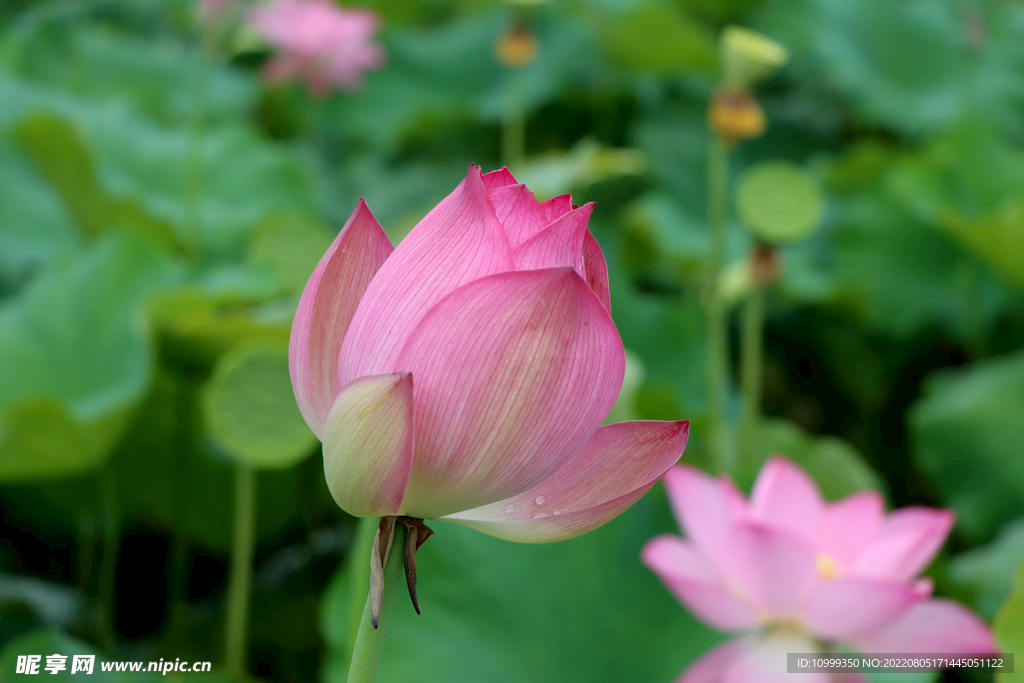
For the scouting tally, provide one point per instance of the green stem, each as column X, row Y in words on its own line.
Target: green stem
column 717, row 319
column 360, row 571
column 751, row 369
column 240, row 581
column 513, row 138
column 370, row 641
column 195, row 172
column 111, row 544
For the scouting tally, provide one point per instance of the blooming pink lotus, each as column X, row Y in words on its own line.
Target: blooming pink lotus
column 796, row 573
column 319, row 42
column 465, row 374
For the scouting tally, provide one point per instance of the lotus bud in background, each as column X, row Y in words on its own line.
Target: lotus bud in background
column 749, row 57
column 517, row 47
column 787, row 571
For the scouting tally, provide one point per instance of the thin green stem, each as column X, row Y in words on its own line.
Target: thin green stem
column 717, row 318
column 240, row 581
column 751, row 370
column 370, row 641
column 360, row 571
column 107, row 484
column 513, row 138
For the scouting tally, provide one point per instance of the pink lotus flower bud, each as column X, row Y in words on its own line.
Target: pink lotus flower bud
column 791, row 571
column 465, row 374
column 319, row 42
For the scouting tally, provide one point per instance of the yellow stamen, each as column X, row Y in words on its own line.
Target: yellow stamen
column 827, row 567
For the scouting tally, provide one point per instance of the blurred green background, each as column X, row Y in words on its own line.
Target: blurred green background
column 161, row 209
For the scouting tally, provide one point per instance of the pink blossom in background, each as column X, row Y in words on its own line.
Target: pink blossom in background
column 465, row 374
column 789, row 572
column 318, row 42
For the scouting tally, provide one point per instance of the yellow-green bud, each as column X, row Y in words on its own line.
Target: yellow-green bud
column 748, row 57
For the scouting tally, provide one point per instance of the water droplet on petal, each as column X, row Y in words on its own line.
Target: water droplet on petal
column 509, row 509
column 540, row 500
column 540, row 515
column 556, row 511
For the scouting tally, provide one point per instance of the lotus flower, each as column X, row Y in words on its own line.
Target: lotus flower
column 465, row 374
column 319, row 42
column 792, row 572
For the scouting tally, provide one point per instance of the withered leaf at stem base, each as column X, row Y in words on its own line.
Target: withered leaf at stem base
column 417, row 533
column 379, row 560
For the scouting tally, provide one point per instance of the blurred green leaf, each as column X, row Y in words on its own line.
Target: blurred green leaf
column 249, row 408
column 659, row 37
column 987, row 572
column 835, row 465
column 779, row 201
column 502, row 612
column 588, row 162
column 76, row 359
column 60, row 153
column 1009, row 626
column 970, row 441
column 289, row 247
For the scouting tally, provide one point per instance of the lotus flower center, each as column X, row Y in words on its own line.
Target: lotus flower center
column 827, row 567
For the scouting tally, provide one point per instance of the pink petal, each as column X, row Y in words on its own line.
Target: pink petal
column 932, row 626
column 712, row 666
column 519, row 212
column 459, row 241
column 559, row 244
column 775, row 568
column 326, row 308
column 702, row 507
column 849, row 607
column 596, row 270
column 906, row 543
column 614, row 468
column 785, row 497
column 556, row 207
column 499, row 178
column 514, row 373
column 368, row 442
column 850, row 525
column 692, row 579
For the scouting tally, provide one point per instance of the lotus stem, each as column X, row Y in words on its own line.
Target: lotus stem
column 111, row 544
column 513, row 138
column 240, row 580
column 751, row 369
column 370, row 640
column 717, row 317
column 362, row 546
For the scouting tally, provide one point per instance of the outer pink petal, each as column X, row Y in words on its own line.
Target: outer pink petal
column 692, row 579
column 459, row 241
column 559, row 244
column 614, row 468
column 514, row 373
column 849, row 607
column 702, row 507
column 499, row 178
column 785, row 497
column 368, row 441
column 907, row 542
column 775, row 568
column 325, row 311
column 556, row 207
column 850, row 525
column 596, row 270
column 519, row 212
column 712, row 666
column 932, row 626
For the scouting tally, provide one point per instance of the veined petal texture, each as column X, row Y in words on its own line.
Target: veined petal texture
column 614, row 468
column 514, row 373
column 326, row 309
column 368, row 441
column 458, row 242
